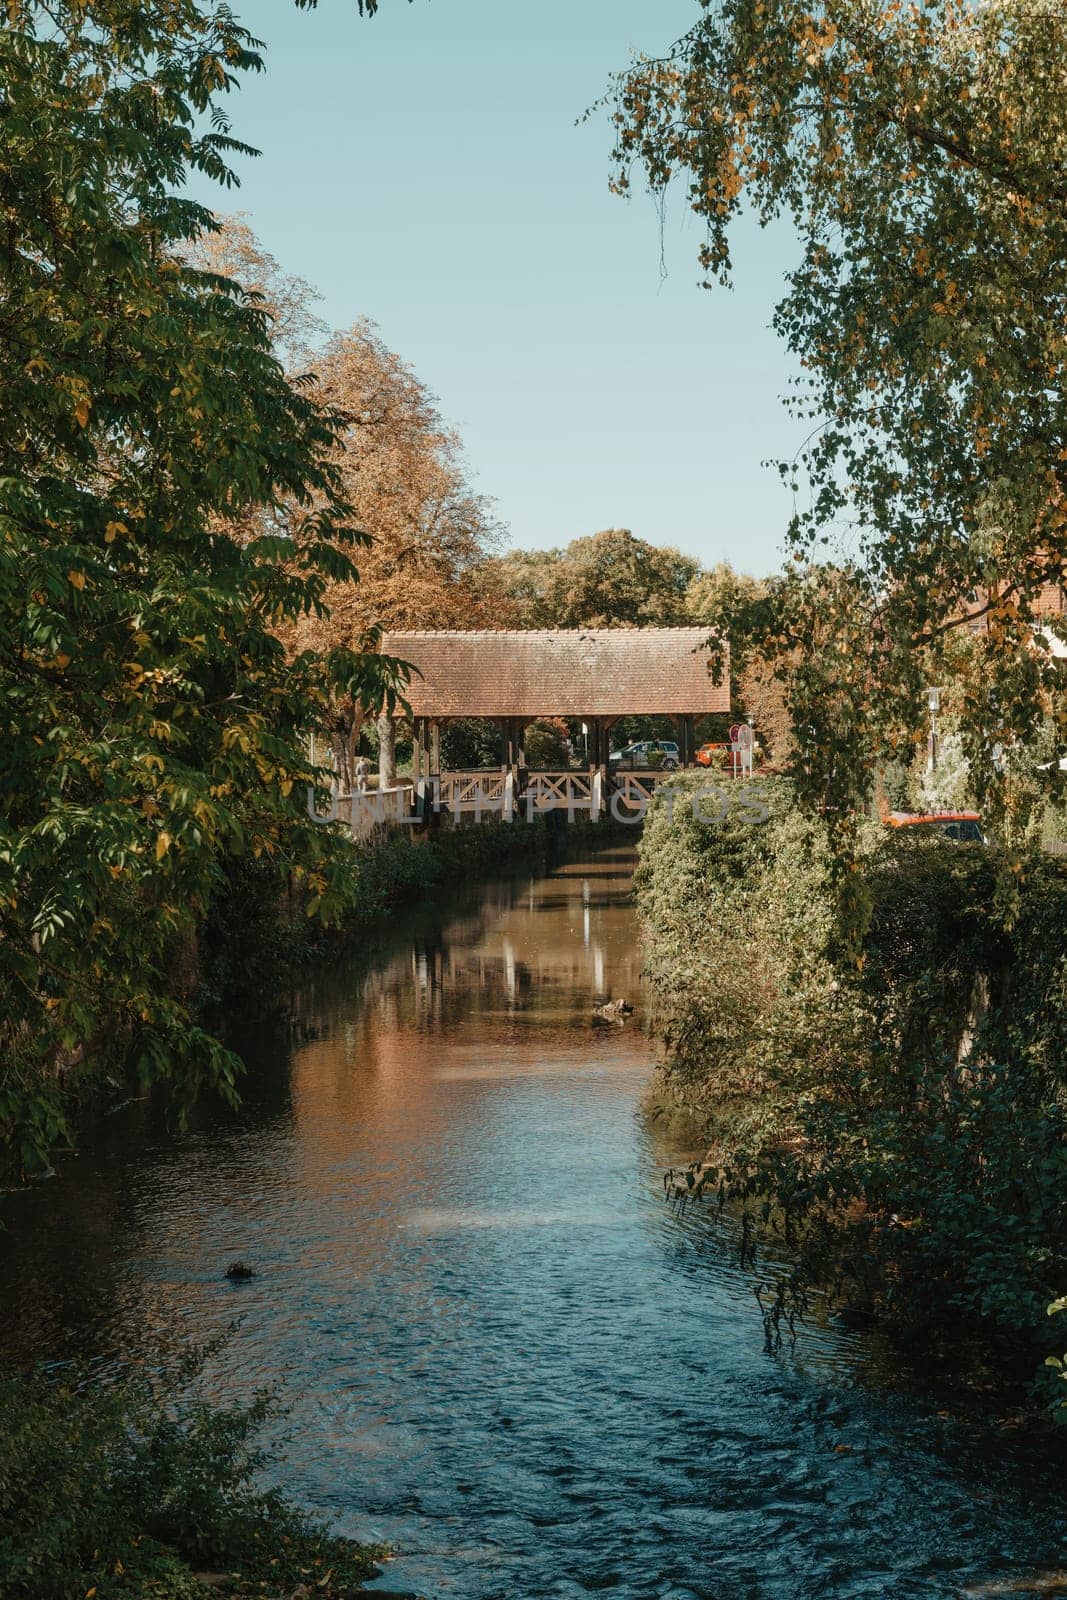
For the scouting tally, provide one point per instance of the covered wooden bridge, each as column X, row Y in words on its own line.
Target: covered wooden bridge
column 512, row 678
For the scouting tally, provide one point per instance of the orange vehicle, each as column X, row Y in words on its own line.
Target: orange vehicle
column 713, row 755
column 963, row 827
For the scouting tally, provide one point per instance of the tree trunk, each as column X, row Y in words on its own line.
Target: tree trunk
column 353, row 729
column 386, row 752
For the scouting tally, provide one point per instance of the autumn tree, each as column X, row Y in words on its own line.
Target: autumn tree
column 719, row 591
column 429, row 533
column 231, row 251
column 919, row 151
column 728, row 602
column 611, row 579
column 154, row 726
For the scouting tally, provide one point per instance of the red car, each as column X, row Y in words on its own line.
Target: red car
column 963, row 827
column 713, row 755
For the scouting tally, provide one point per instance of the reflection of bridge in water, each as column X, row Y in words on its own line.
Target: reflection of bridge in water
column 511, row 678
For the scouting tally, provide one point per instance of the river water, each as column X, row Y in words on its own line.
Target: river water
column 504, row 1351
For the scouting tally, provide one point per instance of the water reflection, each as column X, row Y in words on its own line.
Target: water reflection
column 504, row 1351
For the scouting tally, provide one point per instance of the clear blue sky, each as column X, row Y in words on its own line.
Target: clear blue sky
column 424, row 169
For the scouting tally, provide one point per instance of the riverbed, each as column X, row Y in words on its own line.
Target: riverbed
column 504, row 1351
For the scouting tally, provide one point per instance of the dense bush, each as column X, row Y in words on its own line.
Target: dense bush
column 123, row 1492
column 901, row 1122
column 399, row 864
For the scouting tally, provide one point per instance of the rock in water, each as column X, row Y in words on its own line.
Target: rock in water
column 612, row 1011
column 239, row 1270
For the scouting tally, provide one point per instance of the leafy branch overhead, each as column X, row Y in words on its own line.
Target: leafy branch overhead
column 919, row 152
column 156, row 725
column 366, row 8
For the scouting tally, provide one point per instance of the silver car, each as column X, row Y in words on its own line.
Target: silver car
column 662, row 754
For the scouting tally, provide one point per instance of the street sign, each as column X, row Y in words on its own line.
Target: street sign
column 741, row 746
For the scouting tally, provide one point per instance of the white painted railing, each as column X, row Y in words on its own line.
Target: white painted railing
column 493, row 793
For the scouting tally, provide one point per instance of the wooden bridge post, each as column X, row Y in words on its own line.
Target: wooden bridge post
column 435, row 770
column 596, row 759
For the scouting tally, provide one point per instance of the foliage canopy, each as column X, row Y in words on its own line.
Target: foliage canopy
column 919, row 150
column 153, row 724
column 609, row 579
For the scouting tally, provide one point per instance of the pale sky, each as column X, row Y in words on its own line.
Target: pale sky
column 424, row 169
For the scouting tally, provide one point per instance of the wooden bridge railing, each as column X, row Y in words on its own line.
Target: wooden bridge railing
column 472, row 791
column 559, row 791
column 494, row 793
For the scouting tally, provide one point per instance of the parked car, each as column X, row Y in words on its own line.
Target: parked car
column 713, row 755
column 646, row 755
column 962, row 827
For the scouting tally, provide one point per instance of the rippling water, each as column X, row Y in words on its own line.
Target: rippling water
column 504, row 1351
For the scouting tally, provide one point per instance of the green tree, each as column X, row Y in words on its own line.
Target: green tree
column 719, row 592
column 152, row 724
column 608, row 580
column 919, row 152
column 728, row 601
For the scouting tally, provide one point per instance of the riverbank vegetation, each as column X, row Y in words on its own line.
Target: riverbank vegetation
column 917, row 153
column 896, row 1123
column 145, row 1488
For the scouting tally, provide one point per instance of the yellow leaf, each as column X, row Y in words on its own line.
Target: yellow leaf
column 162, row 846
column 81, row 413
column 62, row 662
column 77, row 579
column 112, row 529
column 90, row 1592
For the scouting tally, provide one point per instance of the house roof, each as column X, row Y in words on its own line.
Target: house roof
column 569, row 672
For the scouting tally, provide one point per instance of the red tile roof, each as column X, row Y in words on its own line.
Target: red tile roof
column 572, row 672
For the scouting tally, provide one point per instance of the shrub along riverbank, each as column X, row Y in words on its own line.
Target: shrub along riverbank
column 146, row 1489
column 899, row 1124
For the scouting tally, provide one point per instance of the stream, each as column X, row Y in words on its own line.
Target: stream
column 504, row 1351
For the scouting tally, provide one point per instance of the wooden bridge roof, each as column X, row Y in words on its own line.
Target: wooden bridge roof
column 568, row 672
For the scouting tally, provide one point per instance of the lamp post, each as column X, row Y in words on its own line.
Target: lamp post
column 933, row 703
